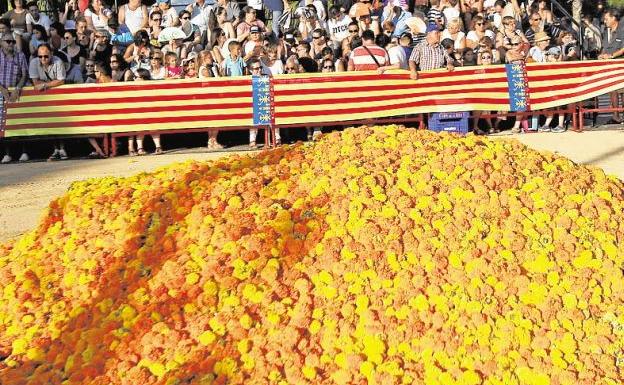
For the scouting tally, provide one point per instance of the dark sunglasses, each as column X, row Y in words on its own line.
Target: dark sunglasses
column 9, row 41
column 156, row 57
column 256, row 68
column 354, row 31
column 316, row 37
column 478, row 23
column 185, row 18
column 328, row 67
column 537, row 19
column 157, row 19
column 43, row 56
column 514, row 44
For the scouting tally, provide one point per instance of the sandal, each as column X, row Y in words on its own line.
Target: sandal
column 141, row 151
column 132, row 153
column 95, row 155
column 253, row 145
column 158, row 151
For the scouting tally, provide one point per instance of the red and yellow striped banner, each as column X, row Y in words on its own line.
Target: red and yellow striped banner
column 298, row 99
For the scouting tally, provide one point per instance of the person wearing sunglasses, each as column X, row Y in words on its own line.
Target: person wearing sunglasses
column 479, row 30
column 536, row 25
column 76, row 53
column 48, row 71
column 13, row 73
column 507, row 33
column 354, row 33
column 338, row 25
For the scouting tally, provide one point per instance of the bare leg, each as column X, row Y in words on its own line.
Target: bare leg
column 96, row 147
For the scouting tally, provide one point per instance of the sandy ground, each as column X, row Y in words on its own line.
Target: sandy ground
column 26, row 189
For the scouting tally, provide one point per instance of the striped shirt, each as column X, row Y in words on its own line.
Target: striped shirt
column 12, row 69
column 434, row 14
column 362, row 60
column 429, row 57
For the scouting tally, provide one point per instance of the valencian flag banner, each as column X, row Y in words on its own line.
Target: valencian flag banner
column 304, row 99
column 518, row 87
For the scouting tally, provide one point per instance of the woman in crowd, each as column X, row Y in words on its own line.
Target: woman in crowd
column 17, row 17
column 155, row 27
column 223, row 24
column 57, row 33
column 509, row 32
column 39, row 36
column 97, row 15
column 484, row 58
column 134, row 16
column 193, row 39
column 75, row 53
column 453, row 31
column 157, row 68
column 207, row 67
column 119, row 69
column 137, row 54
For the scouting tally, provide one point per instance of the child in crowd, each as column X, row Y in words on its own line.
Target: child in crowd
column 207, row 66
column 189, row 66
column 173, row 67
column 234, row 65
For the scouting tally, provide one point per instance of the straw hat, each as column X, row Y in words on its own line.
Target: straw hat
column 541, row 36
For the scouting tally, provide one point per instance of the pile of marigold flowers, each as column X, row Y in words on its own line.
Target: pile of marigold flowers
column 378, row 255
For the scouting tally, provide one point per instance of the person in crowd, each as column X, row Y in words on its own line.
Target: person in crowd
column 310, row 22
column 76, row 53
column 169, row 14
column 538, row 52
column 13, row 73
column 369, row 56
column 101, row 49
column 157, row 69
column 354, row 32
column 207, row 66
column 172, row 66
column 254, row 42
column 487, row 44
column 233, row 64
column 119, row 68
column 35, row 17
column 484, row 58
column 194, row 36
column 98, row 15
column 505, row 36
column 478, row 31
column 232, row 11
column 88, row 74
column 273, row 65
column 134, row 15
column 303, row 54
column 224, row 24
column 203, row 16
column 47, row 71
column 56, row 38
column 453, row 31
column 137, row 54
column 73, row 72
column 319, row 42
column 189, row 66
column 17, row 18
column 568, row 45
column 429, row 54
column 177, row 47
column 517, row 54
column 244, row 27
column 155, row 27
column 536, row 25
column 613, row 48
column 38, row 37
column 71, row 11
column 398, row 16
column 338, row 25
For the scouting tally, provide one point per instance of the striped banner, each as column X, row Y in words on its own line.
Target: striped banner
column 300, row 99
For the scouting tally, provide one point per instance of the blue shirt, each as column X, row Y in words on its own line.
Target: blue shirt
column 234, row 67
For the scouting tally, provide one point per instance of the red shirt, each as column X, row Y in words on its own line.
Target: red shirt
column 362, row 59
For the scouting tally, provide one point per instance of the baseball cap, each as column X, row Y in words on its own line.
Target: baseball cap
column 554, row 51
column 254, row 29
column 432, row 28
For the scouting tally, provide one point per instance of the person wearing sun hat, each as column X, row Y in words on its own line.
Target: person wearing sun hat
column 429, row 54
column 537, row 53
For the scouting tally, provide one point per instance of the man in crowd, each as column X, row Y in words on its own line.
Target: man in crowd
column 368, row 56
column 429, row 54
column 36, row 17
column 13, row 73
column 613, row 48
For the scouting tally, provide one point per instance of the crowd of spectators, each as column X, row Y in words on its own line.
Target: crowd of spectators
column 93, row 42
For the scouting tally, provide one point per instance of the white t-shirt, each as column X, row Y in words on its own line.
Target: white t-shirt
column 169, row 17
column 98, row 22
column 450, row 13
column 339, row 30
column 447, row 35
column 255, row 4
column 276, row 69
column 397, row 55
column 472, row 35
column 44, row 21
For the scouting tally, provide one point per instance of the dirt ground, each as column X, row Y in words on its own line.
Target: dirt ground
column 26, row 189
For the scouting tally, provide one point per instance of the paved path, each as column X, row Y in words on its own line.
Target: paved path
column 26, row 189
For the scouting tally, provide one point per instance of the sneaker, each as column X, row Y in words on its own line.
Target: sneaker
column 317, row 134
column 6, row 159
column 544, row 128
column 559, row 129
column 24, row 157
column 63, row 154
